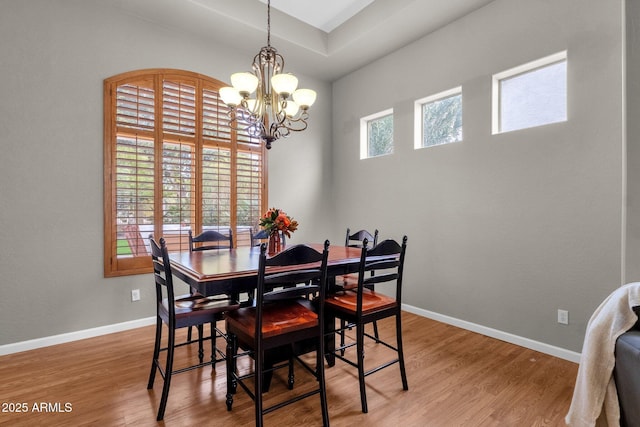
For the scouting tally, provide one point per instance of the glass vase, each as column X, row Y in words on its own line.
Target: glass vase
column 275, row 244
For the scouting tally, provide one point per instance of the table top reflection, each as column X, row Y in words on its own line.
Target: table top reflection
column 224, row 271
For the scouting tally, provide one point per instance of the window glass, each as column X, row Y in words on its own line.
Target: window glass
column 439, row 119
column 376, row 134
column 533, row 95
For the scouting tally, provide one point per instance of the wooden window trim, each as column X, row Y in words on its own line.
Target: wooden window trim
column 119, row 266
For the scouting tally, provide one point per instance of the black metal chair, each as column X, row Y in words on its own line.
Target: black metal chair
column 360, row 306
column 281, row 318
column 180, row 312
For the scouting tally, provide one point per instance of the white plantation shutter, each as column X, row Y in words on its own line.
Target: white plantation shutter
column 249, row 191
column 216, row 188
column 173, row 164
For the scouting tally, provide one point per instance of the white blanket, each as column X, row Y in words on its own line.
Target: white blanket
column 595, row 388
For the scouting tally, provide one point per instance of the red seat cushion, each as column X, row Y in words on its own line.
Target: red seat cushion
column 371, row 301
column 278, row 318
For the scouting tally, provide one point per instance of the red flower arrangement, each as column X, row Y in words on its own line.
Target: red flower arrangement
column 277, row 220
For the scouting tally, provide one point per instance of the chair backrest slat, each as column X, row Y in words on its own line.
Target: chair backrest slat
column 162, row 272
column 386, row 259
column 380, row 278
column 355, row 240
column 262, row 236
column 218, row 240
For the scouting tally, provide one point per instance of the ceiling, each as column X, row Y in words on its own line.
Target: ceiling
column 325, row 15
column 325, row 39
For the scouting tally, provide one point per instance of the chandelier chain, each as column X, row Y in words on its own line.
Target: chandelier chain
column 269, row 23
column 278, row 107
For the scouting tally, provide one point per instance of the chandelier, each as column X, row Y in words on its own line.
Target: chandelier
column 278, row 107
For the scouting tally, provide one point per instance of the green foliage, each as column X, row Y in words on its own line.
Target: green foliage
column 442, row 121
column 380, row 133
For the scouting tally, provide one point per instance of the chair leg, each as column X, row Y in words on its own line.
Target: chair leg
column 291, row 378
column 403, row 372
column 167, row 374
column 343, row 325
column 156, row 354
column 375, row 331
column 231, row 369
column 214, row 347
column 321, row 381
column 193, row 292
column 360, row 358
column 259, row 365
column 200, row 345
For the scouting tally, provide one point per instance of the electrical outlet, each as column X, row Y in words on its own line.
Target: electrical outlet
column 563, row 317
column 135, row 295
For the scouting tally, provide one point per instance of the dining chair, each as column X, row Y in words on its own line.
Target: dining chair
column 179, row 312
column 355, row 240
column 209, row 239
column 263, row 236
column 350, row 281
column 359, row 306
column 281, row 318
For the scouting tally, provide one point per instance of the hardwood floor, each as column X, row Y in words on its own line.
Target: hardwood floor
column 456, row 378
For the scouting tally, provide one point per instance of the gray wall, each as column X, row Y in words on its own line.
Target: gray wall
column 633, row 139
column 503, row 229
column 54, row 58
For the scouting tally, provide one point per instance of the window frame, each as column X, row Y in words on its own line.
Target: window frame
column 364, row 133
column 418, row 106
column 496, row 104
column 238, row 145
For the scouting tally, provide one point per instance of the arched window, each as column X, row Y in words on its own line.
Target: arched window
column 172, row 164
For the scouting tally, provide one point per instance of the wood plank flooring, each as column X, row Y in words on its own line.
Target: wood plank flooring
column 456, row 378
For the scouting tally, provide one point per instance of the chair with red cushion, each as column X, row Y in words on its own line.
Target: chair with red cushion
column 281, row 318
column 350, row 281
column 180, row 312
column 210, row 240
column 359, row 306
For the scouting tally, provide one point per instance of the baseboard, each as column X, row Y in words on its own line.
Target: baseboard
column 74, row 336
column 490, row 332
column 561, row 353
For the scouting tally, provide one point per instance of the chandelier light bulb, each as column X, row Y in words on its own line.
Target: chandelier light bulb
column 304, row 98
column 230, row 96
column 245, row 83
column 284, row 84
column 291, row 109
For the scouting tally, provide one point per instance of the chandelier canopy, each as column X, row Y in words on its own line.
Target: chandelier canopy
column 278, row 107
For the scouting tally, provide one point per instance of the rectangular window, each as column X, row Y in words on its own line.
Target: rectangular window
column 438, row 119
column 376, row 134
column 533, row 94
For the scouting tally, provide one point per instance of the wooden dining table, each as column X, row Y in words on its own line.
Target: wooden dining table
column 234, row 271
